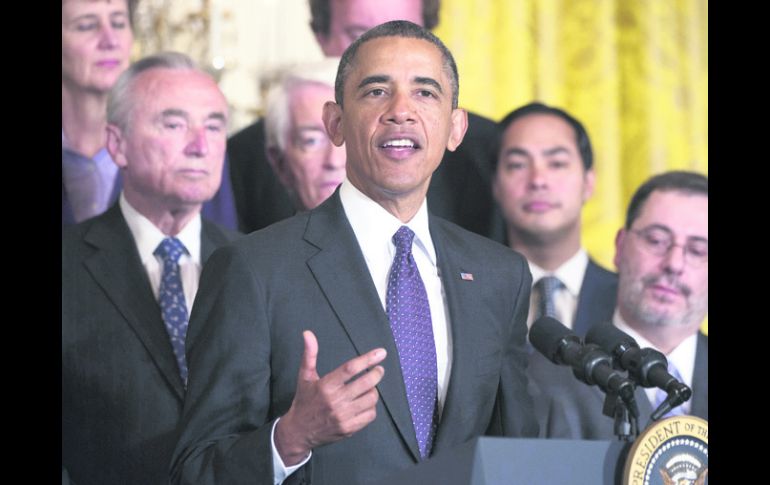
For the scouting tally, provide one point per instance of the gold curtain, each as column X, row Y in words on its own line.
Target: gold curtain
column 635, row 72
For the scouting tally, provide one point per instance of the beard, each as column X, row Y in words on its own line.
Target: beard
column 649, row 313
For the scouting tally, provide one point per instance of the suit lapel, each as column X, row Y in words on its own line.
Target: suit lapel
column 67, row 215
column 117, row 269
column 582, row 313
column 700, row 379
column 341, row 272
column 596, row 300
column 461, row 299
column 645, row 407
column 211, row 238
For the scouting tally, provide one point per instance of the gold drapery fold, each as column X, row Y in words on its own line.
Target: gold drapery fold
column 635, row 72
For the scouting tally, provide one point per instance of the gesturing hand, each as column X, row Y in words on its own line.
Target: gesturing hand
column 329, row 408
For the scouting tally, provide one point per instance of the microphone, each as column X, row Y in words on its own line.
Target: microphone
column 647, row 367
column 589, row 363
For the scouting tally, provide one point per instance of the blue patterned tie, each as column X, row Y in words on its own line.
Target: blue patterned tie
column 547, row 286
column 172, row 303
column 661, row 395
column 409, row 314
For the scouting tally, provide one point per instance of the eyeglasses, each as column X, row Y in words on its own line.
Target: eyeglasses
column 659, row 242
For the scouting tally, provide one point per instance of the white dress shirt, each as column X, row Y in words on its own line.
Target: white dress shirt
column 683, row 357
column 147, row 238
column 374, row 228
column 571, row 273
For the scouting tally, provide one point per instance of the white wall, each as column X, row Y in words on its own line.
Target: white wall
column 242, row 42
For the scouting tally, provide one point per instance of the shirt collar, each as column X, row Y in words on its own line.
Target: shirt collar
column 374, row 226
column 147, row 236
column 571, row 273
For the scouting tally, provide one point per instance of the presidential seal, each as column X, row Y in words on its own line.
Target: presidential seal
column 673, row 451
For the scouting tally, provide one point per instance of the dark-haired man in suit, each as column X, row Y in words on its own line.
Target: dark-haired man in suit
column 366, row 335
column 662, row 259
column 544, row 176
column 129, row 276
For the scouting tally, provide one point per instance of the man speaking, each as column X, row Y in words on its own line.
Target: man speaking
column 362, row 337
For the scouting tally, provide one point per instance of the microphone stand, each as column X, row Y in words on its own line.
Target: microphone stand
column 626, row 426
column 619, row 402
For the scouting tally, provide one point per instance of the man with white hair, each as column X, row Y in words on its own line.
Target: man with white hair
column 300, row 152
column 130, row 275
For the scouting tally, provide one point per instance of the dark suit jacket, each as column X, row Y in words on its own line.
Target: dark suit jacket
column 260, row 199
column 459, row 191
column 568, row 408
column 596, row 302
column 121, row 390
column 244, row 347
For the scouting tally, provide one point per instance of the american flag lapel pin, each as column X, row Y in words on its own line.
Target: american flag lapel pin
column 466, row 276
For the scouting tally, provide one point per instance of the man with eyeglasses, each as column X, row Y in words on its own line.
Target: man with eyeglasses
column 300, row 152
column 662, row 260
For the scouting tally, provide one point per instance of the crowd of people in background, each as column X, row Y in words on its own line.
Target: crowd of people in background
column 343, row 288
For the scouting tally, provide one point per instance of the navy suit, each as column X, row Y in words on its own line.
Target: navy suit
column 596, row 302
column 568, row 408
column 260, row 199
column 244, row 347
column 121, row 390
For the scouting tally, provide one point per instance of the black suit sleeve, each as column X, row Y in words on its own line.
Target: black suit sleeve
column 460, row 188
column 226, row 423
column 259, row 196
column 514, row 413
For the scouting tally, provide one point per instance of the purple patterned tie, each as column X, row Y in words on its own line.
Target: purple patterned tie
column 409, row 314
column 171, row 296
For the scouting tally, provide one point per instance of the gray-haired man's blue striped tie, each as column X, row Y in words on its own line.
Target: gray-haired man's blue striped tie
column 171, row 298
